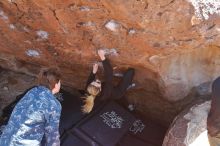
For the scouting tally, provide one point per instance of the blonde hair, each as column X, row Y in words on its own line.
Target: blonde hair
column 89, row 99
column 93, row 90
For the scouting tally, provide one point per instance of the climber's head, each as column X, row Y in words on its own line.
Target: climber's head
column 94, row 87
column 50, row 78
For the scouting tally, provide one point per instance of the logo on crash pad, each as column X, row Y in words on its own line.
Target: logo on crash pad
column 112, row 119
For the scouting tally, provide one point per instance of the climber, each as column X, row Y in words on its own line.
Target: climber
column 36, row 115
column 213, row 121
column 104, row 91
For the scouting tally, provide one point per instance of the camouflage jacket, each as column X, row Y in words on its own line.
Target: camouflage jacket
column 36, row 115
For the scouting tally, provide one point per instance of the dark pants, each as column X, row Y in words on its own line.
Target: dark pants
column 119, row 90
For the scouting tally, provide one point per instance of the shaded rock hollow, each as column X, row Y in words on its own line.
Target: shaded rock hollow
column 173, row 46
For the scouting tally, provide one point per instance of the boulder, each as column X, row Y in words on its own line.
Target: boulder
column 190, row 127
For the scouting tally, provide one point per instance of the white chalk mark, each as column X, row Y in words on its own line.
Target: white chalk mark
column 12, row 26
column 3, row 16
column 85, row 8
column 112, row 51
column 32, row 53
column 112, row 25
column 25, row 28
column 42, row 34
column 132, row 31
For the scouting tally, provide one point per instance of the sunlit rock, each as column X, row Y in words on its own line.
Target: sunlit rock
column 190, row 127
column 205, row 8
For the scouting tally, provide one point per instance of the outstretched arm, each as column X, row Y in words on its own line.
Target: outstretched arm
column 108, row 72
column 92, row 75
column 108, row 75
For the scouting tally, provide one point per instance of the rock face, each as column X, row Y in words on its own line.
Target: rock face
column 190, row 127
column 13, row 84
column 173, row 45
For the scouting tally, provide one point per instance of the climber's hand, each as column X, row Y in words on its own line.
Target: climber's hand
column 95, row 68
column 101, row 54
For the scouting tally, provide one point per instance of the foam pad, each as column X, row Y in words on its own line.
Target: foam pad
column 70, row 140
column 71, row 111
column 106, row 126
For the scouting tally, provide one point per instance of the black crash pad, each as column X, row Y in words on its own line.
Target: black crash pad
column 106, row 126
column 143, row 133
column 71, row 111
column 69, row 139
